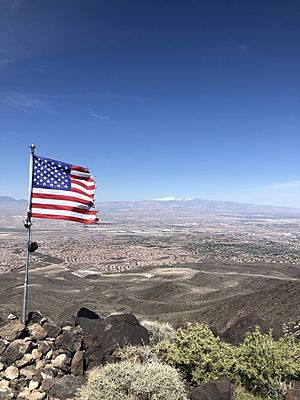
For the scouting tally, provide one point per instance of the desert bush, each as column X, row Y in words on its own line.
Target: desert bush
column 199, row 354
column 260, row 363
column 133, row 381
column 142, row 354
column 266, row 365
column 158, row 331
column 240, row 393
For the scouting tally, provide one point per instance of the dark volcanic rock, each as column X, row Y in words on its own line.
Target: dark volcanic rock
column 44, row 346
column 114, row 332
column 220, row 389
column 94, row 352
column 77, row 364
column 69, row 340
column 3, row 345
column 121, row 330
column 35, row 317
column 12, row 330
column 89, row 322
column 47, row 384
column 66, row 387
column 15, row 351
column 51, row 330
column 86, row 313
column 236, row 333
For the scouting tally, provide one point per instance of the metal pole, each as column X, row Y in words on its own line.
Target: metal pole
column 28, row 227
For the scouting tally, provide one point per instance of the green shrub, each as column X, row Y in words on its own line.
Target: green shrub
column 266, row 365
column 158, row 331
column 133, row 381
column 260, row 363
column 199, row 354
column 240, row 393
column 141, row 354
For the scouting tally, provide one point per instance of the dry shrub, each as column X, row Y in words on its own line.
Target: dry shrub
column 158, row 331
column 133, row 381
column 141, row 354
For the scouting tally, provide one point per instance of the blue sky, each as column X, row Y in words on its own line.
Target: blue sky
column 191, row 99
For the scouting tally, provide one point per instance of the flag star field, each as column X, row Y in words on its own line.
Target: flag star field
column 51, row 174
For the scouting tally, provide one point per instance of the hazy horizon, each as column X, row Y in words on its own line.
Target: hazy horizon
column 168, row 199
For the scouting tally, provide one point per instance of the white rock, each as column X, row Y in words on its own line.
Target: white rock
column 67, row 328
column 3, row 383
column 59, row 361
column 36, row 354
column 1, row 366
column 36, row 395
column 40, row 364
column 24, row 394
column 33, row 385
column 12, row 316
column 28, row 372
column 25, row 360
column 11, row 373
column 49, row 355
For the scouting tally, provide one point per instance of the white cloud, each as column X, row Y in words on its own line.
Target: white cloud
column 96, row 115
column 283, row 185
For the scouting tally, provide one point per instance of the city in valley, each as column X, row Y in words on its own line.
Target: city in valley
column 128, row 239
column 209, row 250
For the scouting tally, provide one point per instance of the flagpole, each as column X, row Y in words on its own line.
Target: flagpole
column 27, row 225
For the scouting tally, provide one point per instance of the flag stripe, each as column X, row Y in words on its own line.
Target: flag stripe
column 64, row 217
column 79, row 191
column 77, row 168
column 79, row 174
column 54, row 197
column 63, row 208
column 80, row 187
column 86, row 184
column 68, row 203
column 64, row 212
column 61, row 194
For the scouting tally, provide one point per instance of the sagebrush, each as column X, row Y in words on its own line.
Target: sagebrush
column 133, row 381
column 141, row 354
column 158, row 331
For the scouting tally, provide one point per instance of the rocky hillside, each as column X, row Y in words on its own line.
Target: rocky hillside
column 44, row 360
column 47, row 361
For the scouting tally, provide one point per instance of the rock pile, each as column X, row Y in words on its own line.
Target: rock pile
column 46, row 361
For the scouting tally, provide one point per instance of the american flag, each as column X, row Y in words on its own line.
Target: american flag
column 62, row 191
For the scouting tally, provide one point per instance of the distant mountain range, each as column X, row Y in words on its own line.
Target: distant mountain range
column 9, row 203
column 164, row 205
